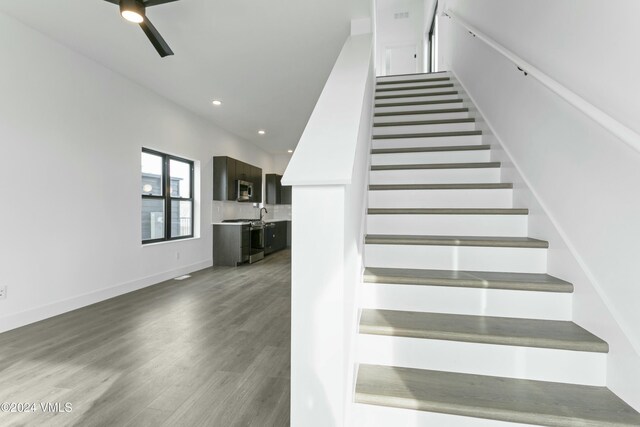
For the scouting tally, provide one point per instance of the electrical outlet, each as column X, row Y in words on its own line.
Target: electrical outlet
column 3, row 292
column 177, row 255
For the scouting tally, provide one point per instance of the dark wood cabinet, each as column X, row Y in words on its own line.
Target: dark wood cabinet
column 280, row 241
column 227, row 171
column 286, row 194
column 273, row 188
column 277, row 194
column 231, row 244
column 256, row 178
column 241, row 171
column 276, row 236
column 269, row 236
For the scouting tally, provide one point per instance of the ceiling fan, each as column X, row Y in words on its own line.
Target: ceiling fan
column 134, row 11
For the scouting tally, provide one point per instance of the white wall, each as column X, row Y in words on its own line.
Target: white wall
column 392, row 32
column 580, row 181
column 588, row 46
column 71, row 133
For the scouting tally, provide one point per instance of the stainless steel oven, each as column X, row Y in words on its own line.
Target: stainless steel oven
column 245, row 191
column 257, row 242
column 254, row 244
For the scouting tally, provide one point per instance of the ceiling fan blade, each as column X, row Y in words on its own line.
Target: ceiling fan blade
column 113, row 1
column 149, row 3
column 155, row 38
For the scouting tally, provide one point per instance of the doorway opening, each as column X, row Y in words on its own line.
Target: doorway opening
column 401, row 60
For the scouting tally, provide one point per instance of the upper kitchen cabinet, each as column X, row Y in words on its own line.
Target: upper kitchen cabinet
column 256, row 178
column 226, row 174
column 277, row 194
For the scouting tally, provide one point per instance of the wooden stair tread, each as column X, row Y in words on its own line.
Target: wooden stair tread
column 412, row 81
column 468, row 279
column 419, row 112
column 503, row 399
column 418, row 95
column 429, row 134
column 422, row 87
column 555, row 334
column 425, row 122
column 469, row 165
column 487, row 241
column 412, row 103
column 439, row 148
column 462, row 186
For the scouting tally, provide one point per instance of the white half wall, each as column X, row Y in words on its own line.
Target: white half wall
column 329, row 175
column 71, row 133
column 578, row 180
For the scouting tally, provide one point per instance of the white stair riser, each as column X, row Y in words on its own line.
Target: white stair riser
column 468, row 156
column 402, row 91
column 438, row 141
column 500, row 198
column 468, row 301
column 573, row 367
column 403, row 77
column 403, row 130
column 427, row 98
column 435, row 176
column 426, row 107
column 385, row 416
column 417, row 117
column 449, row 225
column 474, row 258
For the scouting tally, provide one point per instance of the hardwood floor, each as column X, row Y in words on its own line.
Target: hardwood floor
column 212, row 350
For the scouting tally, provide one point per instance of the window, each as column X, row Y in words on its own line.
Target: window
column 167, row 197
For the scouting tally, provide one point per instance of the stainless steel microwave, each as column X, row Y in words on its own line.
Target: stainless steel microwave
column 245, row 191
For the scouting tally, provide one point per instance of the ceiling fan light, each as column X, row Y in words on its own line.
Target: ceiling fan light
column 132, row 11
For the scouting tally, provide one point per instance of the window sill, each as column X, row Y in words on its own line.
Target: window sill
column 145, row 245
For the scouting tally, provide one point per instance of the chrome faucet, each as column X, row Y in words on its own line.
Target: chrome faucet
column 265, row 211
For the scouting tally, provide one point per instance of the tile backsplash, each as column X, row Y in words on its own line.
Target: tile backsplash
column 234, row 210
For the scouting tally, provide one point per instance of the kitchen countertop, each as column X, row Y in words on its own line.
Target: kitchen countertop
column 247, row 223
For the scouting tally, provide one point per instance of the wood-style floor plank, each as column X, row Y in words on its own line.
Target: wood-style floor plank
column 210, row 350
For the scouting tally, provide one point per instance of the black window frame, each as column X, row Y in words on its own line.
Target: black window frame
column 167, row 198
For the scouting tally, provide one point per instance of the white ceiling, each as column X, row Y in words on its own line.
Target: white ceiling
column 266, row 60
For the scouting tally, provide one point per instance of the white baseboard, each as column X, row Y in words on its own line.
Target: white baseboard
column 37, row 314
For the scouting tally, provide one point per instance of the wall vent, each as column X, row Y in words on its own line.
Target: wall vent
column 401, row 15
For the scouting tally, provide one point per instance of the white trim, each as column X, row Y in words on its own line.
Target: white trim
column 590, row 276
column 627, row 135
column 43, row 312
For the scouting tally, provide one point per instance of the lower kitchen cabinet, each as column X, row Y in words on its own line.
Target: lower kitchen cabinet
column 275, row 236
column 231, row 244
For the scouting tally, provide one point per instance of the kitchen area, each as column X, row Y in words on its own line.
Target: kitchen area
column 251, row 213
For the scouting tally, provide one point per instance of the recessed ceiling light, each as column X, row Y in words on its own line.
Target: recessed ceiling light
column 262, row 132
column 289, row 151
column 217, row 103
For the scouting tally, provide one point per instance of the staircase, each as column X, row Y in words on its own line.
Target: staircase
column 460, row 324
